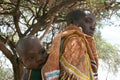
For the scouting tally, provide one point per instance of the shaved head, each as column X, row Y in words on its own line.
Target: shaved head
column 26, row 43
column 74, row 16
column 84, row 19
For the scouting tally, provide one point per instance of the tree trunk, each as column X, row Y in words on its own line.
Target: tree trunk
column 17, row 69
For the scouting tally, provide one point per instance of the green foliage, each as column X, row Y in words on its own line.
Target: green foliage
column 6, row 74
column 107, row 52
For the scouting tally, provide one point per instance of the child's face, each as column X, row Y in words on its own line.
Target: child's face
column 88, row 24
column 35, row 56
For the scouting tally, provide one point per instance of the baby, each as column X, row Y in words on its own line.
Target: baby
column 33, row 56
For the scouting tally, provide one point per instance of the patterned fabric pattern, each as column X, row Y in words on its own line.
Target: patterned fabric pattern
column 78, row 60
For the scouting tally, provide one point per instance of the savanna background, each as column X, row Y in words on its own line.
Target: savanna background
column 46, row 18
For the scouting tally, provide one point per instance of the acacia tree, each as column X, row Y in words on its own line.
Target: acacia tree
column 19, row 18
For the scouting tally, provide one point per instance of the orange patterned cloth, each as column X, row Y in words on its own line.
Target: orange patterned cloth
column 78, row 61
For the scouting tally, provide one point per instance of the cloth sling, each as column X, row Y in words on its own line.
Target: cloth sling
column 70, row 67
column 53, row 68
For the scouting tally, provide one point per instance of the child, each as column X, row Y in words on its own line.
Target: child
column 33, row 56
column 73, row 54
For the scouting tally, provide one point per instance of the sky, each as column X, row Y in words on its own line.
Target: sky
column 110, row 33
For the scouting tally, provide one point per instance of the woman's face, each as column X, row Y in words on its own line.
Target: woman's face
column 35, row 56
column 88, row 24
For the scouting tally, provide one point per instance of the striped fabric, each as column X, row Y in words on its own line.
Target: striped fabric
column 77, row 60
column 70, row 71
column 52, row 75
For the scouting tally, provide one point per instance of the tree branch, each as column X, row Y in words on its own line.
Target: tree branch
column 10, row 43
column 48, row 26
column 16, row 17
column 52, row 12
column 6, row 51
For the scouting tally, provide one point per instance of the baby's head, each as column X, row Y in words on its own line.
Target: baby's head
column 31, row 52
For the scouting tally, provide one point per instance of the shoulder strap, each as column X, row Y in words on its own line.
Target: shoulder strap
column 61, row 45
column 27, row 74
